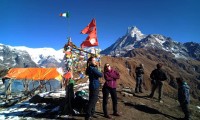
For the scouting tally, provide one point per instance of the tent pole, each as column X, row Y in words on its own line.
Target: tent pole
column 8, row 89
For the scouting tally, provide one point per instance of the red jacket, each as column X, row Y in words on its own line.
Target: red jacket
column 111, row 76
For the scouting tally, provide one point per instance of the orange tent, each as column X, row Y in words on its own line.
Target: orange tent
column 34, row 74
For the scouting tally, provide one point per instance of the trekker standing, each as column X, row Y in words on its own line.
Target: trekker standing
column 110, row 76
column 158, row 75
column 139, row 71
column 69, row 97
column 183, row 96
column 94, row 84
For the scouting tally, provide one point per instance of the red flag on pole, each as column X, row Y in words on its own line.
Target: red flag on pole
column 91, row 40
column 90, row 27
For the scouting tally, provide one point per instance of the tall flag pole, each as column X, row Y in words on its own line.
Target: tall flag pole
column 66, row 15
column 68, row 68
column 68, row 71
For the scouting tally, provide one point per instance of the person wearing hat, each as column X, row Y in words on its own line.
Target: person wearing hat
column 183, row 96
column 139, row 71
column 158, row 75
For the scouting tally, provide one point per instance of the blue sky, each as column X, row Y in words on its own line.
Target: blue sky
column 36, row 23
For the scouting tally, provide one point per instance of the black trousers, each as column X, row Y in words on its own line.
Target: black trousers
column 159, row 85
column 93, row 97
column 106, row 90
column 185, row 110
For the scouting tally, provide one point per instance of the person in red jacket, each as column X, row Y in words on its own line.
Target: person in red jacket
column 110, row 76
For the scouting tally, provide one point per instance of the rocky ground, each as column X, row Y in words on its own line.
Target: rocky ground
column 131, row 106
column 140, row 107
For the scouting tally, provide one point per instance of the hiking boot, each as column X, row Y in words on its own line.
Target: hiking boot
column 160, row 101
column 150, row 96
column 116, row 114
column 94, row 116
column 107, row 116
column 88, row 118
column 187, row 118
column 141, row 91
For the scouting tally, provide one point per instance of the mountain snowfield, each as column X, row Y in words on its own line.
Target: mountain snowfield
column 41, row 53
column 135, row 32
column 22, row 56
column 134, row 39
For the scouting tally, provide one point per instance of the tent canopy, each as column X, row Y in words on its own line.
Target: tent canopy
column 34, row 74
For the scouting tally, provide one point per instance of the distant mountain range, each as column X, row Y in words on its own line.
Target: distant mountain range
column 134, row 38
column 180, row 59
column 22, row 56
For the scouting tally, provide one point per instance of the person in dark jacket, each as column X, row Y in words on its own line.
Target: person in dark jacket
column 183, row 97
column 110, row 76
column 69, row 97
column 139, row 71
column 94, row 84
column 158, row 76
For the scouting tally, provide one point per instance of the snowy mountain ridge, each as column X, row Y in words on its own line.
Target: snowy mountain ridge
column 41, row 57
column 21, row 56
column 14, row 58
column 37, row 54
column 134, row 39
column 135, row 32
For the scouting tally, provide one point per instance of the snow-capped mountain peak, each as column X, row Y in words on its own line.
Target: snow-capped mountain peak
column 10, row 57
column 41, row 53
column 135, row 39
column 22, row 56
column 135, row 32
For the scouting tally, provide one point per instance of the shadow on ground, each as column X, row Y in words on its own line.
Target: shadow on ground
column 149, row 110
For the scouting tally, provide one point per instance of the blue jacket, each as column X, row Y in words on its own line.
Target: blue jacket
column 184, row 93
column 94, row 75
